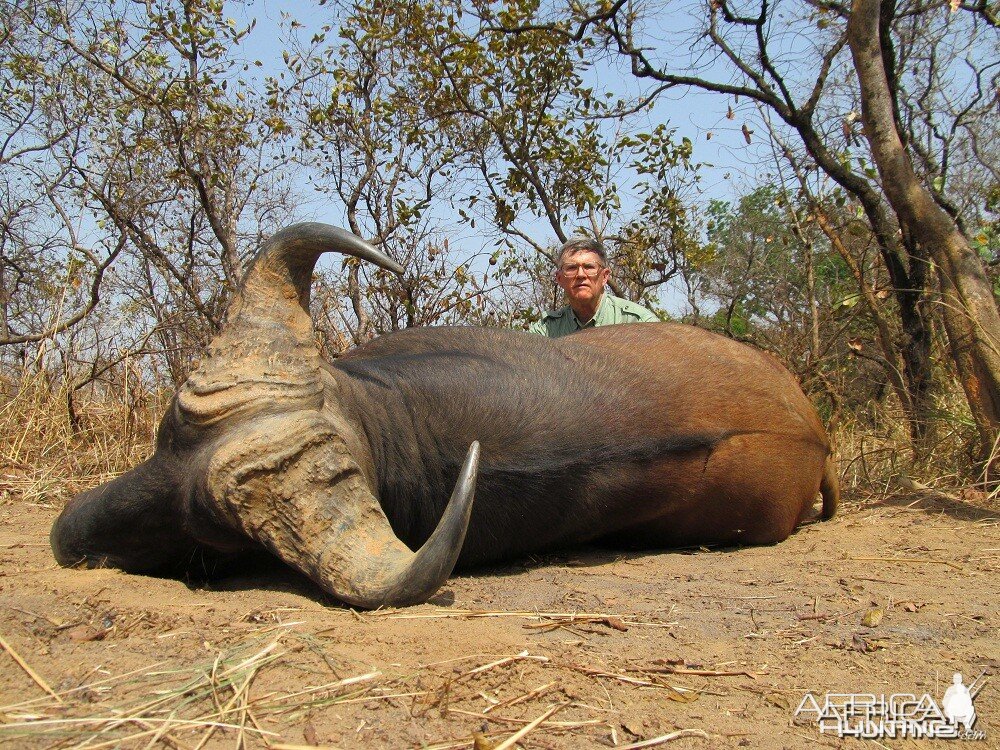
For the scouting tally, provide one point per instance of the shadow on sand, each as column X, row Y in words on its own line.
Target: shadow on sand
column 262, row 571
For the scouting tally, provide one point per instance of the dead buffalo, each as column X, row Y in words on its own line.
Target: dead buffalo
column 650, row 435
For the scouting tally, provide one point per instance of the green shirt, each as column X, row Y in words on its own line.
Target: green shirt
column 611, row 311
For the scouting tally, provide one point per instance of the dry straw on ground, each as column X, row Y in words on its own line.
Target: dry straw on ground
column 219, row 698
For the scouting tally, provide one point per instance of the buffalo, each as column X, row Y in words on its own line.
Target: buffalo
column 652, row 435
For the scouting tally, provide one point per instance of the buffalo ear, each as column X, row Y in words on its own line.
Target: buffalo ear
column 133, row 522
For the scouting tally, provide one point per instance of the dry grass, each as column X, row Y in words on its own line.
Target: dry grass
column 877, row 463
column 44, row 460
column 150, row 706
column 229, row 697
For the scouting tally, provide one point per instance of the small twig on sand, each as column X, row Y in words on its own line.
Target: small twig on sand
column 28, row 670
column 562, row 621
column 914, row 560
column 509, row 742
column 831, row 617
column 560, row 725
column 705, row 672
column 501, row 662
column 616, row 621
column 663, row 739
column 271, row 702
column 520, row 698
column 679, row 693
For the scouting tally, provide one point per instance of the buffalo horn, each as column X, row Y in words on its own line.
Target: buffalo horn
column 266, row 354
column 281, row 472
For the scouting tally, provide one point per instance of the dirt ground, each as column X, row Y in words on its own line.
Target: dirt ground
column 712, row 649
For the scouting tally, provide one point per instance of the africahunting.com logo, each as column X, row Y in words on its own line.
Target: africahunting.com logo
column 899, row 715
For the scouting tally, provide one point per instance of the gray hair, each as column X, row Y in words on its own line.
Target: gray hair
column 582, row 245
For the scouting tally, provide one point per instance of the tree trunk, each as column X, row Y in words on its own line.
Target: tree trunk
column 916, row 351
column 907, row 272
column 814, row 342
column 363, row 332
column 969, row 310
column 890, row 360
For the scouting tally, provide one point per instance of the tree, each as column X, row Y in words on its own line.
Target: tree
column 755, row 271
column 357, row 101
column 165, row 151
column 969, row 308
column 42, row 258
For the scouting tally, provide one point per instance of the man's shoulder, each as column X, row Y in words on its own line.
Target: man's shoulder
column 552, row 323
column 634, row 310
column 555, row 314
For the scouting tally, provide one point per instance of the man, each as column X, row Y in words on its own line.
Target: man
column 583, row 274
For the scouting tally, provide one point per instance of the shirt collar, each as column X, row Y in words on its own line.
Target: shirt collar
column 597, row 313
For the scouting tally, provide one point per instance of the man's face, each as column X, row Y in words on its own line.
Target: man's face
column 583, row 276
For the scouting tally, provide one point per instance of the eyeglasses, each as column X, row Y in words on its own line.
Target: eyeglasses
column 571, row 270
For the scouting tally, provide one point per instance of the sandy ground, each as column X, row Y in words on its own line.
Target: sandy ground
column 612, row 649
